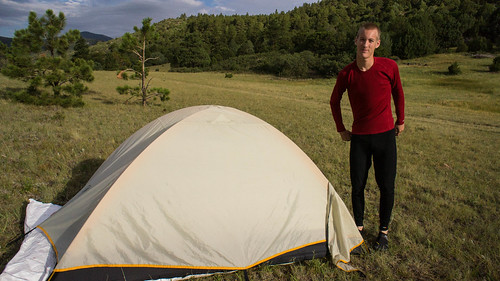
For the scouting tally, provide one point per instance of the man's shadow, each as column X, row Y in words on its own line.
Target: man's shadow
column 80, row 175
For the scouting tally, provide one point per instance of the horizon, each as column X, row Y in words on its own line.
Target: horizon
column 81, row 31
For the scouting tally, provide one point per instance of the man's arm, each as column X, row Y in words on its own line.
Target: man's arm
column 399, row 101
column 338, row 91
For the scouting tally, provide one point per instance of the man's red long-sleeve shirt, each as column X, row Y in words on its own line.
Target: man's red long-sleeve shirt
column 370, row 97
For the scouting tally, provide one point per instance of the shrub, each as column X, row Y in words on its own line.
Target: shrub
column 298, row 65
column 479, row 44
column 136, row 93
column 495, row 67
column 331, row 65
column 462, row 47
column 186, row 69
column 29, row 96
column 454, row 69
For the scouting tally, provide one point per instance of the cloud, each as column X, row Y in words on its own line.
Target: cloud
column 115, row 20
column 115, row 17
column 14, row 14
column 193, row 3
column 256, row 7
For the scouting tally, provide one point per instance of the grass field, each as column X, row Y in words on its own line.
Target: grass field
column 445, row 224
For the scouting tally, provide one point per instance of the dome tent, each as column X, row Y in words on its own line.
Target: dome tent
column 203, row 189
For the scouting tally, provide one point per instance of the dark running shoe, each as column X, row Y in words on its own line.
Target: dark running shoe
column 382, row 242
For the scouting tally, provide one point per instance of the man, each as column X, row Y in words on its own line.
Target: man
column 370, row 82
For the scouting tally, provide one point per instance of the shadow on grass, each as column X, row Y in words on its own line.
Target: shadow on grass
column 104, row 101
column 97, row 96
column 486, row 69
column 13, row 246
column 444, row 73
column 81, row 174
column 477, row 70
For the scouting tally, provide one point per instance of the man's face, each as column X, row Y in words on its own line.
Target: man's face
column 367, row 41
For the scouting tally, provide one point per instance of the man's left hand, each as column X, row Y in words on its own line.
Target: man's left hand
column 399, row 129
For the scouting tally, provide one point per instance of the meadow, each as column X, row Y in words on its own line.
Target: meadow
column 445, row 221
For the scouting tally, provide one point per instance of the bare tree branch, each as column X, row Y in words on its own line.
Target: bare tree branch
column 137, row 54
column 155, row 58
column 147, row 85
column 126, row 102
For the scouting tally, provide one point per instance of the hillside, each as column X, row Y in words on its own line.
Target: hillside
column 93, row 38
column 315, row 40
column 5, row 40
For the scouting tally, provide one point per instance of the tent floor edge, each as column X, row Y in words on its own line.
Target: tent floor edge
column 128, row 273
column 319, row 250
column 104, row 273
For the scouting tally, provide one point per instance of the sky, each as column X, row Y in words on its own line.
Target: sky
column 115, row 17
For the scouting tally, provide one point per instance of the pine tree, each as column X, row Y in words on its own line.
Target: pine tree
column 137, row 44
column 81, row 49
column 39, row 56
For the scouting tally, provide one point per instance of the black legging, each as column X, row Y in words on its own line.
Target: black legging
column 382, row 147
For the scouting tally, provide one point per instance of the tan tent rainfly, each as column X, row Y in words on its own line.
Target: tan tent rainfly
column 200, row 190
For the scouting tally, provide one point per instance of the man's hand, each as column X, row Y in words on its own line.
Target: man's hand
column 399, row 129
column 345, row 135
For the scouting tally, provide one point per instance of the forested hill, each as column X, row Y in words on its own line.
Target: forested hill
column 317, row 39
column 93, row 38
column 5, row 40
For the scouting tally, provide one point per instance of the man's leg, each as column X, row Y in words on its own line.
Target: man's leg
column 360, row 162
column 384, row 163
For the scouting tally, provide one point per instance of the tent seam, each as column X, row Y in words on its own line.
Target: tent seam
column 50, row 241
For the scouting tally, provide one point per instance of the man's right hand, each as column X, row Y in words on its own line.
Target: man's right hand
column 345, row 135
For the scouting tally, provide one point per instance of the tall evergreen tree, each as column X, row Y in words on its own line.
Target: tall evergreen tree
column 39, row 55
column 81, row 49
column 193, row 51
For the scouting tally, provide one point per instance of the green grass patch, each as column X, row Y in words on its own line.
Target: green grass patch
column 445, row 222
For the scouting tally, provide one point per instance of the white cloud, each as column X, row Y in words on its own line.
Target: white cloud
column 193, row 3
column 225, row 9
column 254, row 7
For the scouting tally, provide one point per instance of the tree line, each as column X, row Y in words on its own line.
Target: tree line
column 314, row 40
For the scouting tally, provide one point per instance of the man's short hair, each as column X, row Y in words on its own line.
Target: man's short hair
column 369, row 26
